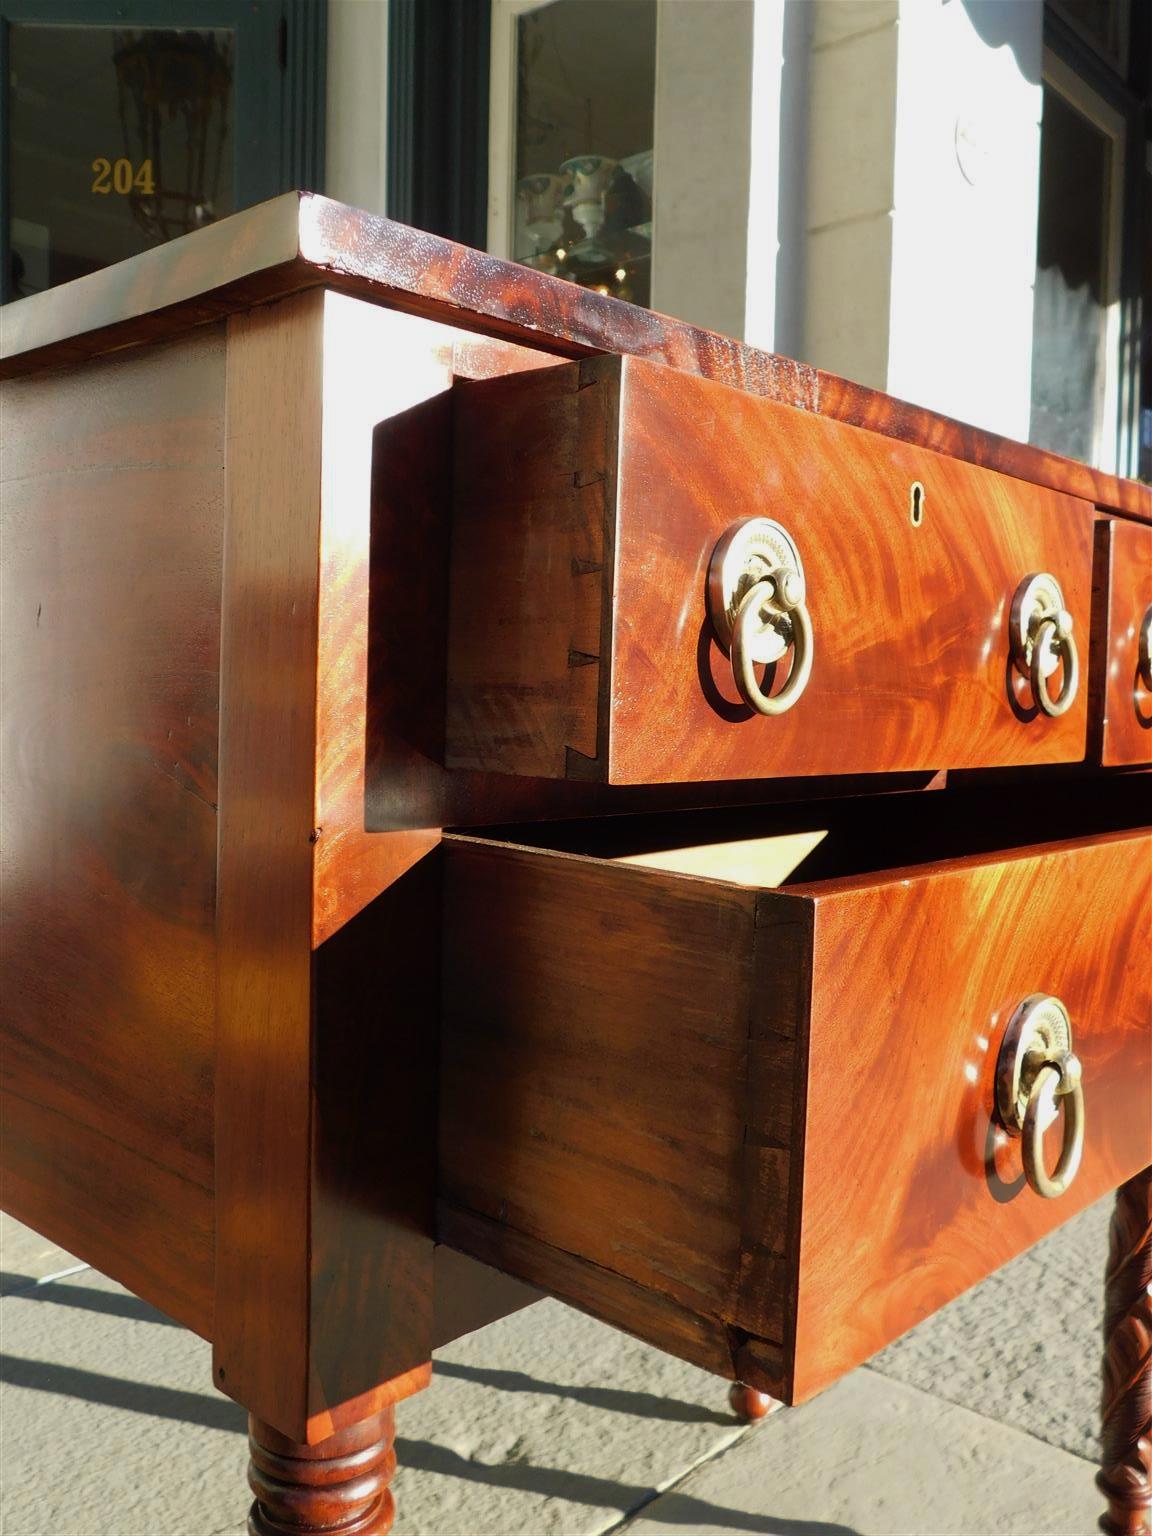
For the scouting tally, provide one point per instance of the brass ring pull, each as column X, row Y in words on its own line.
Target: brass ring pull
column 757, row 601
column 1060, row 640
column 1042, row 641
column 765, row 598
column 1036, row 1068
column 1144, row 649
column 1054, row 1080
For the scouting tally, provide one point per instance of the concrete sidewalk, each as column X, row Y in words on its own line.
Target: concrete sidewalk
column 549, row 1424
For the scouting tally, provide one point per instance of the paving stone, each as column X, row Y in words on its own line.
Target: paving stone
column 25, row 1256
column 1024, row 1346
column 110, row 1422
column 549, row 1424
column 872, row 1457
column 544, row 1423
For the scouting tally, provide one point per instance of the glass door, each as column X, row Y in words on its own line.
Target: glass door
column 573, row 86
column 129, row 122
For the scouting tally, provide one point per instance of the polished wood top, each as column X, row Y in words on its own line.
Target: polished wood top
column 300, row 240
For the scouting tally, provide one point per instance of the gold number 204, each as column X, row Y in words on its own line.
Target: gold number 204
column 123, row 177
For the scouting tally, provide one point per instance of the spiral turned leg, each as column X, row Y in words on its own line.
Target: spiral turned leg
column 1125, row 1478
column 336, row 1488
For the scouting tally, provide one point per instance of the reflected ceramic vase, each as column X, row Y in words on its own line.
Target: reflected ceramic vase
column 540, row 204
column 590, row 177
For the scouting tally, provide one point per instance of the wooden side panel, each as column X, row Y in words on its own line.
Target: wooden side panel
column 1127, row 701
column 593, row 1062
column 328, row 932
column 113, row 492
column 533, row 497
column 134, row 1219
column 911, row 1194
column 267, row 779
column 911, row 666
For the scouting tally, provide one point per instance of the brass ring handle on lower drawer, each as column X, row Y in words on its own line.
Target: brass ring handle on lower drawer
column 1042, row 641
column 1144, row 649
column 1036, row 1067
column 1053, row 1080
column 757, row 600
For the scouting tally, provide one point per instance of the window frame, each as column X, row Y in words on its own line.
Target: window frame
column 436, row 147
column 1112, row 125
column 1123, row 87
column 502, row 106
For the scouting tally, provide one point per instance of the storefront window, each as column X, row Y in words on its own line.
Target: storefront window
column 572, row 119
column 143, row 153
column 1070, row 327
column 131, row 122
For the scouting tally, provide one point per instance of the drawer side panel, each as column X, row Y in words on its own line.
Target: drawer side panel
column 594, row 1059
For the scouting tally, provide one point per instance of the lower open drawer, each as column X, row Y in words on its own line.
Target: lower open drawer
column 729, row 1082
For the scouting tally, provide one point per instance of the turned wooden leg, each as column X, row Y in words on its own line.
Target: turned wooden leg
column 748, row 1404
column 1125, row 1478
column 336, row 1488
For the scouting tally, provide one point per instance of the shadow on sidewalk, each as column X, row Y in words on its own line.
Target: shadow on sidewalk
column 630, row 1499
column 645, row 1405
column 110, row 1303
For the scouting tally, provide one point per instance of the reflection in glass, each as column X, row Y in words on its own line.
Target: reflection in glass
column 143, row 152
column 1071, row 251
column 586, row 84
column 1100, row 20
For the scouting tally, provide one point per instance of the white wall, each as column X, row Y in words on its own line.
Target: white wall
column 923, row 176
column 968, row 106
column 851, row 153
column 727, row 189
column 701, row 161
column 356, row 122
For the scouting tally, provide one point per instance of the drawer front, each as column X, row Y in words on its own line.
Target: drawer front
column 1126, row 620
column 910, row 1186
column 589, row 500
column 756, row 1127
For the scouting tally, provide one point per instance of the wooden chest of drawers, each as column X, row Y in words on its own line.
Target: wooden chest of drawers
column 503, row 790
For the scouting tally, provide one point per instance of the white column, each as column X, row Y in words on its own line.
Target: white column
column 356, row 123
column 701, row 161
column 923, row 178
column 968, row 108
column 729, row 166
column 851, row 178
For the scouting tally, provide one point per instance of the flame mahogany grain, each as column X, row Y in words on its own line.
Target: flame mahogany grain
column 1123, row 733
column 728, row 1183
column 588, row 500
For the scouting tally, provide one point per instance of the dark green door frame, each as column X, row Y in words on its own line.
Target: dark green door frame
column 437, row 173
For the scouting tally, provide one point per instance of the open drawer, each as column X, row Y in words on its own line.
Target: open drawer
column 627, row 539
column 735, row 1093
